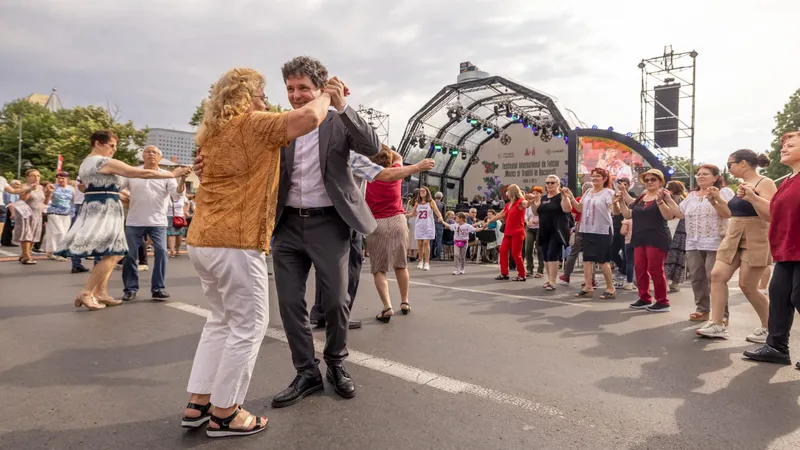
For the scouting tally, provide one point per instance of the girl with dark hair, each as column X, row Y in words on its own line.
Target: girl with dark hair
column 675, row 265
column 596, row 231
column 745, row 246
column 424, row 211
column 784, row 227
column 705, row 213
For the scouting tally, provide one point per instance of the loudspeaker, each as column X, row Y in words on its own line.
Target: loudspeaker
column 451, row 185
column 665, row 120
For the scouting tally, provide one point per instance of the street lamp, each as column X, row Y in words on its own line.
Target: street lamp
column 19, row 144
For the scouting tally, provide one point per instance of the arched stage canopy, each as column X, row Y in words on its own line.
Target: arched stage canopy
column 464, row 116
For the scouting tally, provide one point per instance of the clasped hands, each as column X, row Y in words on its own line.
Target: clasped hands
column 338, row 91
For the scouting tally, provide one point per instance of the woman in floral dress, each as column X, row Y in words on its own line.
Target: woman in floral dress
column 99, row 229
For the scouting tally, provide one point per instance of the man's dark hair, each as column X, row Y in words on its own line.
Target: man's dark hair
column 306, row 66
column 103, row 137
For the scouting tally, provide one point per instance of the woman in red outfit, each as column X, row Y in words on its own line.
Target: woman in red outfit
column 513, row 216
column 784, row 227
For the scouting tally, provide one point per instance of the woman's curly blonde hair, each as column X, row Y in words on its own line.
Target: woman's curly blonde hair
column 231, row 96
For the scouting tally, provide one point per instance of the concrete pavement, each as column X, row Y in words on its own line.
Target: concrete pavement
column 544, row 370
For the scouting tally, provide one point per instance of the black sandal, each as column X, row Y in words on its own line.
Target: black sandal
column 608, row 295
column 549, row 287
column 194, row 422
column 382, row 317
column 225, row 429
column 585, row 294
column 519, row 279
column 501, row 277
column 405, row 310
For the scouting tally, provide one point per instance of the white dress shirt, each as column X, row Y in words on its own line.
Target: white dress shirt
column 307, row 189
column 150, row 200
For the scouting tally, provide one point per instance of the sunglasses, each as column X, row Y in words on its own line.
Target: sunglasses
column 651, row 180
column 730, row 164
column 550, row 182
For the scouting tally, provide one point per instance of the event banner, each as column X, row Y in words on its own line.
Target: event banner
column 617, row 158
column 526, row 162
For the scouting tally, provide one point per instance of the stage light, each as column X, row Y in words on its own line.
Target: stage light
column 629, row 134
column 469, row 120
column 463, row 155
column 413, row 141
column 594, row 127
column 577, row 128
column 610, row 128
column 660, row 156
column 515, row 116
column 422, row 142
column 555, row 129
column 496, row 134
column 453, row 152
column 508, row 114
column 525, row 122
column 489, row 130
column 670, row 171
column 535, row 131
column 505, row 140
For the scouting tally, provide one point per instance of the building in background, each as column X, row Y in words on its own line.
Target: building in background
column 51, row 102
column 173, row 143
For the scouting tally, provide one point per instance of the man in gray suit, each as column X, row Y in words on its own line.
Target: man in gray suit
column 319, row 204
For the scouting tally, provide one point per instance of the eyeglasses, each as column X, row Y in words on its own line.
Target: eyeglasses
column 550, row 182
column 651, row 180
column 731, row 163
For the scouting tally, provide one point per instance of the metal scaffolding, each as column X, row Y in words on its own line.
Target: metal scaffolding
column 378, row 120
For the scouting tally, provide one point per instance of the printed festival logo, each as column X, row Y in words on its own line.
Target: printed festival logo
column 489, row 167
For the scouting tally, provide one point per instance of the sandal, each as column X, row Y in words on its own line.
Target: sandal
column 539, row 275
column 194, row 422
column 225, row 429
column 28, row 262
column 584, row 294
column 549, row 287
column 501, row 277
column 519, row 279
column 405, row 310
column 383, row 317
column 608, row 295
column 698, row 317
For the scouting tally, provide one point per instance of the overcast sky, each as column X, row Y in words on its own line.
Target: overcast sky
column 156, row 59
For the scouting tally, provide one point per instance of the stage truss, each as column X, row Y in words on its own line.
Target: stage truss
column 378, row 120
column 660, row 70
column 462, row 117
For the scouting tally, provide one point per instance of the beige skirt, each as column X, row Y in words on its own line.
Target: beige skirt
column 388, row 245
column 746, row 237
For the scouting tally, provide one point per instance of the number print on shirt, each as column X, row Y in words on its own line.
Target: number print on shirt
column 422, row 215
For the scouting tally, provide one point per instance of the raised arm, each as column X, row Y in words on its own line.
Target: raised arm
column 674, row 207
column 115, row 167
column 398, row 173
column 360, row 135
column 300, row 122
column 623, row 207
column 761, row 200
column 566, row 205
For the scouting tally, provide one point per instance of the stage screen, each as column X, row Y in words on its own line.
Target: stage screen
column 617, row 158
column 526, row 162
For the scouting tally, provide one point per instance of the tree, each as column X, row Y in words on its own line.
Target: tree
column 682, row 166
column 45, row 135
column 785, row 121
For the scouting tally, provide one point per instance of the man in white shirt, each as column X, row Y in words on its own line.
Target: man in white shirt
column 147, row 217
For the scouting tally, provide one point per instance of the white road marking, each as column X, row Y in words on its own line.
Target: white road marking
column 409, row 373
column 477, row 291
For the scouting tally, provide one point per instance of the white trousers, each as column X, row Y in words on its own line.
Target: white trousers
column 54, row 232
column 236, row 286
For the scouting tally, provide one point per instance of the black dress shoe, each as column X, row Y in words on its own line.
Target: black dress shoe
column 128, row 296
column 79, row 269
column 797, row 366
column 318, row 323
column 768, row 354
column 160, row 294
column 301, row 387
column 354, row 324
column 341, row 381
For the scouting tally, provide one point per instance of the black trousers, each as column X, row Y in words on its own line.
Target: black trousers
column 353, row 276
column 784, row 299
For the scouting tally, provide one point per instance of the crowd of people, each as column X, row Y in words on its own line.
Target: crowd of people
column 312, row 185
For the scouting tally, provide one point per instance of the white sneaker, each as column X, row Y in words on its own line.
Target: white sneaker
column 758, row 336
column 712, row 330
column 143, row 268
column 462, row 272
column 456, row 272
column 427, row 266
column 628, row 287
column 420, row 265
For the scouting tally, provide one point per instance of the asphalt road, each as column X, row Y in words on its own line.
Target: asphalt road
column 478, row 364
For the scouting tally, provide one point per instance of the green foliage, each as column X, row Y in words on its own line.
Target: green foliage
column 197, row 117
column 682, row 166
column 785, row 121
column 45, row 135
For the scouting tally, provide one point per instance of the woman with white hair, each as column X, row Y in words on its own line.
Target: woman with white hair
column 553, row 210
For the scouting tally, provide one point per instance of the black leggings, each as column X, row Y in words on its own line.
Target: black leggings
column 551, row 246
column 784, row 299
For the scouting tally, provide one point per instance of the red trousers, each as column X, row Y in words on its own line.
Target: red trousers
column 513, row 242
column 648, row 262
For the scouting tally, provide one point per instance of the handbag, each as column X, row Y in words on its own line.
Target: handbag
column 460, row 244
column 177, row 222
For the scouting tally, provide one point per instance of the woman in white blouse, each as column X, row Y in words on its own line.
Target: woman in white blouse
column 596, row 232
column 706, row 213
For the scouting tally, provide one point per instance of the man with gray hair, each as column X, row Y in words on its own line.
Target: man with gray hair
column 147, row 217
